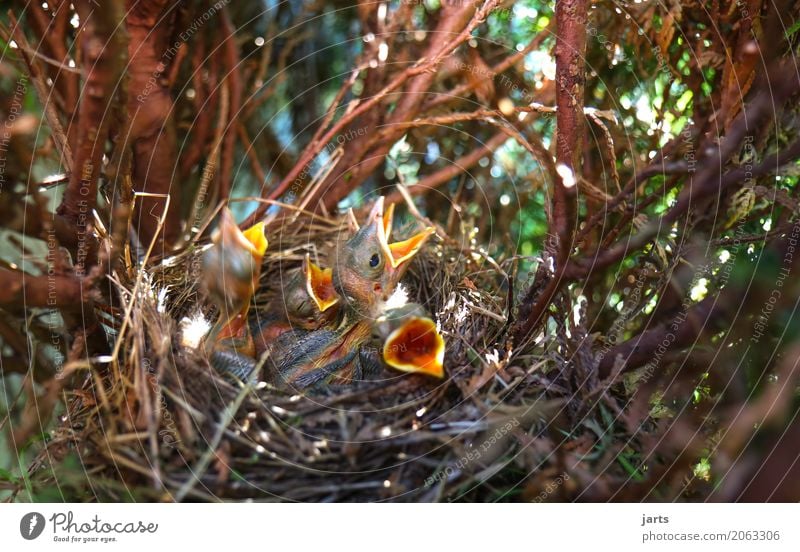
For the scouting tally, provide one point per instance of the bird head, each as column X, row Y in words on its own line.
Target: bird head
column 309, row 298
column 368, row 267
column 231, row 267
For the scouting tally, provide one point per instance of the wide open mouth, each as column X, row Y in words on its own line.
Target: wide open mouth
column 416, row 346
column 319, row 284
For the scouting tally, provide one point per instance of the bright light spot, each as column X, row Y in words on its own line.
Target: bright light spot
column 506, row 106
column 193, row 330
column 496, row 171
column 382, row 11
column 767, row 226
column 383, row 51
column 651, row 154
column 260, row 449
column 699, row 290
column 190, row 93
column 524, row 11
column 544, row 62
column 369, row 37
column 71, row 63
column 13, row 45
column 386, row 431
column 54, row 178
column 724, row 256
column 75, row 21
column 387, row 484
column 643, row 111
column 419, row 36
column 421, row 412
column 505, row 199
column 520, row 47
column 566, row 174
column 259, row 41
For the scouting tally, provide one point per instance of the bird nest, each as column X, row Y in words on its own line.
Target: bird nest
column 159, row 423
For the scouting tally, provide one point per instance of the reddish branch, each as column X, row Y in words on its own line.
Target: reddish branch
column 50, row 24
column 234, row 82
column 570, row 61
column 456, row 23
column 458, row 19
column 152, row 49
column 103, row 44
column 681, row 331
column 19, row 289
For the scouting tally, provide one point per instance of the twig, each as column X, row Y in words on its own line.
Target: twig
column 200, row 468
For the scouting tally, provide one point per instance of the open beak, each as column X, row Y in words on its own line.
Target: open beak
column 399, row 252
column 319, row 284
column 256, row 239
column 416, row 346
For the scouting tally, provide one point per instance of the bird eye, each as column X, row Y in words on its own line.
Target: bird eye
column 374, row 260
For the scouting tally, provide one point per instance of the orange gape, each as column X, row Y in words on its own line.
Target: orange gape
column 416, row 346
column 319, row 285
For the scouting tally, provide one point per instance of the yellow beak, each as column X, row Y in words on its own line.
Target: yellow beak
column 319, row 284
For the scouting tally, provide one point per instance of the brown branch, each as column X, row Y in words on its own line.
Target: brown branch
column 570, row 76
column 103, row 45
column 234, row 84
column 150, row 109
column 18, row 289
column 708, row 181
column 458, row 19
column 459, row 91
column 50, row 113
column 440, row 47
column 50, row 27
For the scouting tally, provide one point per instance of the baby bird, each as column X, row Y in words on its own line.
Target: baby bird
column 307, row 302
column 366, row 272
column 368, row 268
column 231, row 267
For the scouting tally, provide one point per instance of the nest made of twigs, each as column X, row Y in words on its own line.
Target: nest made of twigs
column 161, row 424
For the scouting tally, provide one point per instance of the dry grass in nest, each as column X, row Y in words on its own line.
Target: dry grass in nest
column 161, row 424
column 166, row 425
